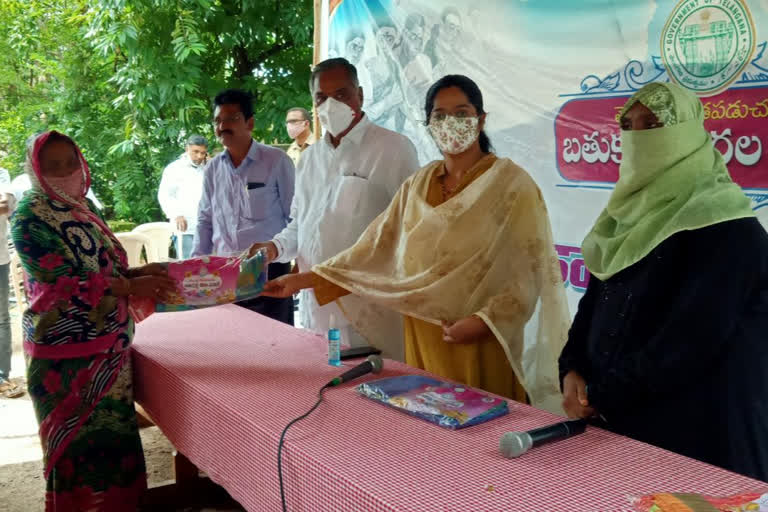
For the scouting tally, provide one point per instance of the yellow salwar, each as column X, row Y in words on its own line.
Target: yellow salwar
column 484, row 251
column 481, row 364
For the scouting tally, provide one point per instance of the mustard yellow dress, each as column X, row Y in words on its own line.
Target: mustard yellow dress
column 481, row 364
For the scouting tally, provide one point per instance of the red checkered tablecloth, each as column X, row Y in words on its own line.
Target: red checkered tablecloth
column 223, row 382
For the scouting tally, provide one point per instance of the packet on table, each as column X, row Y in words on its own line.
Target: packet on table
column 448, row 405
column 690, row 502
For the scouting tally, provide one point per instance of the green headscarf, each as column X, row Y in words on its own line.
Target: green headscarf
column 671, row 179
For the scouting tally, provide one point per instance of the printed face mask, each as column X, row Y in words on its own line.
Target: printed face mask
column 454, row 135
column 71, row 185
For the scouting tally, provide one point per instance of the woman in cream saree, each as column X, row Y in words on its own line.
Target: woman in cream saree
column 465, row 253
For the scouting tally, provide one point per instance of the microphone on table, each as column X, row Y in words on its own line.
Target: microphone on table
column 514, row 444
column 373, row 364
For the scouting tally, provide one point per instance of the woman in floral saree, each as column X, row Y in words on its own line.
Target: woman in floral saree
column 77, row 330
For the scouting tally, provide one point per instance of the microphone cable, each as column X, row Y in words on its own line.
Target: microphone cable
column 282, row 442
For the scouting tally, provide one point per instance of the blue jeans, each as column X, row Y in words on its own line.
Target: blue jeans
column 5, row 325
column 184, row 246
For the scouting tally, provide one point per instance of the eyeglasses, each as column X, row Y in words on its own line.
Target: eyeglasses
column 441, row 116
column 295, row 121
column 453, row 28
column 227, row 120
column 355, row 47
column 413, row 36
column 387, row 37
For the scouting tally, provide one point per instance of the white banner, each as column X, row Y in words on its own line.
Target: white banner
column 554, row 74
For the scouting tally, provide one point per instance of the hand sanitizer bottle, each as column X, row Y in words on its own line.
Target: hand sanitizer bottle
column 334, row 343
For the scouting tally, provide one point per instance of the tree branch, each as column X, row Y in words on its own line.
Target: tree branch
column 245, row 65
column 275, row 49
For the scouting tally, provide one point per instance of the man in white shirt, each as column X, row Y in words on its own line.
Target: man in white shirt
column 7, row 205
column 180, row 190
column 343, row 182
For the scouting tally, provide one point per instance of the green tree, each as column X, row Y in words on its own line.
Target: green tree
column 50, row 79
column 131, row 79
column 172, row 57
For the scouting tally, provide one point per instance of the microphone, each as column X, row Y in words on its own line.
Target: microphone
column 372, row 364
column 514, row 444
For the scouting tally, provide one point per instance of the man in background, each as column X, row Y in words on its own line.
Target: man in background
column 7, row 205
column 180, row 190
column 297, row 122
column 247, row 194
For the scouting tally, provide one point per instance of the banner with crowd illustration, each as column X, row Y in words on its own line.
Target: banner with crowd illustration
column 554, row 75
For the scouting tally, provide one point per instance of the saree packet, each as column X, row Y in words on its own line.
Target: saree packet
column 445, row 404
column 690, row 502
column 208, row 281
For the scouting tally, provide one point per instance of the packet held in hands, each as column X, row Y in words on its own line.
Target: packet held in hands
column 207, row 281
column 213, row 280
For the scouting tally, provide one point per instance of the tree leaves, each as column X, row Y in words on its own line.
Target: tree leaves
column 130, row 80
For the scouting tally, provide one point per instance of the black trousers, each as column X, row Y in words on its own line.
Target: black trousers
column 276, row 309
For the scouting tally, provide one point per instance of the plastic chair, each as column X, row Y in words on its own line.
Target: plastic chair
column 133, row 243
column 159, row 234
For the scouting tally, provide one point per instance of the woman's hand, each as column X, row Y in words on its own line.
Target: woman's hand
column 575, row 400
column 466, row 330
column 155, row 287
column 153, row 269
column 287, row 285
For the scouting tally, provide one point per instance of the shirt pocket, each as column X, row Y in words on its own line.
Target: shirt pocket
column 349, row 195
column 260, row 201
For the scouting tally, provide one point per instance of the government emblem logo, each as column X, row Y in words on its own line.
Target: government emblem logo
column 706, row 44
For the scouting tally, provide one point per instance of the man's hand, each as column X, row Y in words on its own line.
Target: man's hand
column 466, row 330
column 270, row 247
column 575, row 400
column 181, row 223
column 287, row 285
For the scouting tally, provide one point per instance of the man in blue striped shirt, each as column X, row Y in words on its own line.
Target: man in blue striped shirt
column 247, row 194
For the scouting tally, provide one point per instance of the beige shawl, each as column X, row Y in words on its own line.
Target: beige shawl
column 488, row 251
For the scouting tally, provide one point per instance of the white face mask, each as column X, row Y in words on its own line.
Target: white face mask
column 454, row 135
column 335, row 116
